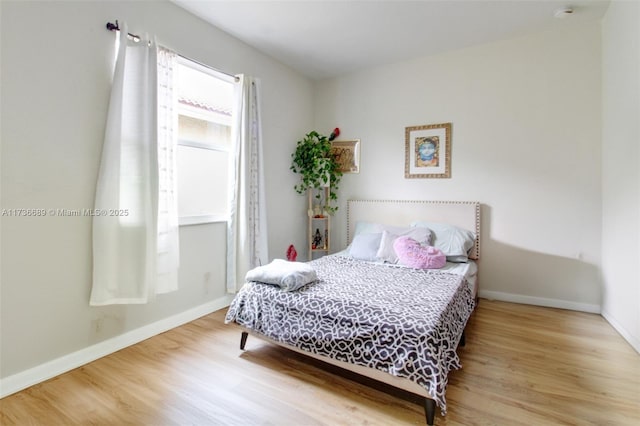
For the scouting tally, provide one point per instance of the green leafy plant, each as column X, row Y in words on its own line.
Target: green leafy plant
column 317, row 168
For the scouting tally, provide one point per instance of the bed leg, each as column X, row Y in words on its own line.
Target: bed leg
column 243, row 339
column 463, row 340
column 430, row 410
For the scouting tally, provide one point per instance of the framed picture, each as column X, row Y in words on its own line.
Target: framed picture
column 428, row 151
column 347, row 153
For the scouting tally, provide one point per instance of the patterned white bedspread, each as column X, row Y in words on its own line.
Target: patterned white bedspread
column 403, row 321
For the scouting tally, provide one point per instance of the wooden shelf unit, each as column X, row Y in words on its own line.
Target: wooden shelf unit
column 318, row 224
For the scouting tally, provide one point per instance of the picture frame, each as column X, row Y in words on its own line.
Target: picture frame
column 347, row 154
column 428, row 151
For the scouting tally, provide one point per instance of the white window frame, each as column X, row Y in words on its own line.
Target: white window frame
column 193, row 112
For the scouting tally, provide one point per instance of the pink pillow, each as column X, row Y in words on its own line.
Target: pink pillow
column 411, row 253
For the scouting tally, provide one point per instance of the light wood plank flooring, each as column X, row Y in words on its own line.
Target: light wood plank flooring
column 522, row 365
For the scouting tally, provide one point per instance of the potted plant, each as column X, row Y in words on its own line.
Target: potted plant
column 318, row 169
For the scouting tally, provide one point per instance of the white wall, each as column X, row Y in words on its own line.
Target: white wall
column 621, row 168
column 526, row 144
column 56, row 66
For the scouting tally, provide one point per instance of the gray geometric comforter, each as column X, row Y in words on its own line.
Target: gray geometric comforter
column 403, row 321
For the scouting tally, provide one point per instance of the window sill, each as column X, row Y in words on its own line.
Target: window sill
column 200, row 220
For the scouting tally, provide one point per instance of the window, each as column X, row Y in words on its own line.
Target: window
column 205, row 119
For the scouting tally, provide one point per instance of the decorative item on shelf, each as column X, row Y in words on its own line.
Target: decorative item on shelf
column 318, row 169
column 326, row 238
column 317, row 239
column 292, row 254
column 317, row 211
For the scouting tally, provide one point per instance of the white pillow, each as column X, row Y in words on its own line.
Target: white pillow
column 363, row 228
column 453, row 241
column 386, row 252
column 365, row 246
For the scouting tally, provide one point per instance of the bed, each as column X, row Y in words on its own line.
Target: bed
column 395, row 324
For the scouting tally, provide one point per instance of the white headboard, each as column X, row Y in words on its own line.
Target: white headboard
column 465, row 214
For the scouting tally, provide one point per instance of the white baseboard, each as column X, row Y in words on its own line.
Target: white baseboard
column 42, row 372
column 563, row 304
column 633, row 340
column 539, row 301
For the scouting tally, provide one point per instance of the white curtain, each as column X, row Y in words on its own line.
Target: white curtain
column 168, row 244
column 247, row 226
column 135, row 240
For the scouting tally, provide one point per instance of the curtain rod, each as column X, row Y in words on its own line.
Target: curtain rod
column 116, row 27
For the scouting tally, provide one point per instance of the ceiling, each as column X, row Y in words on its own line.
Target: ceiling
column 323, row 39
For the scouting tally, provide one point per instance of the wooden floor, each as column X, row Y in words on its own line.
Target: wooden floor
column 522, row 365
